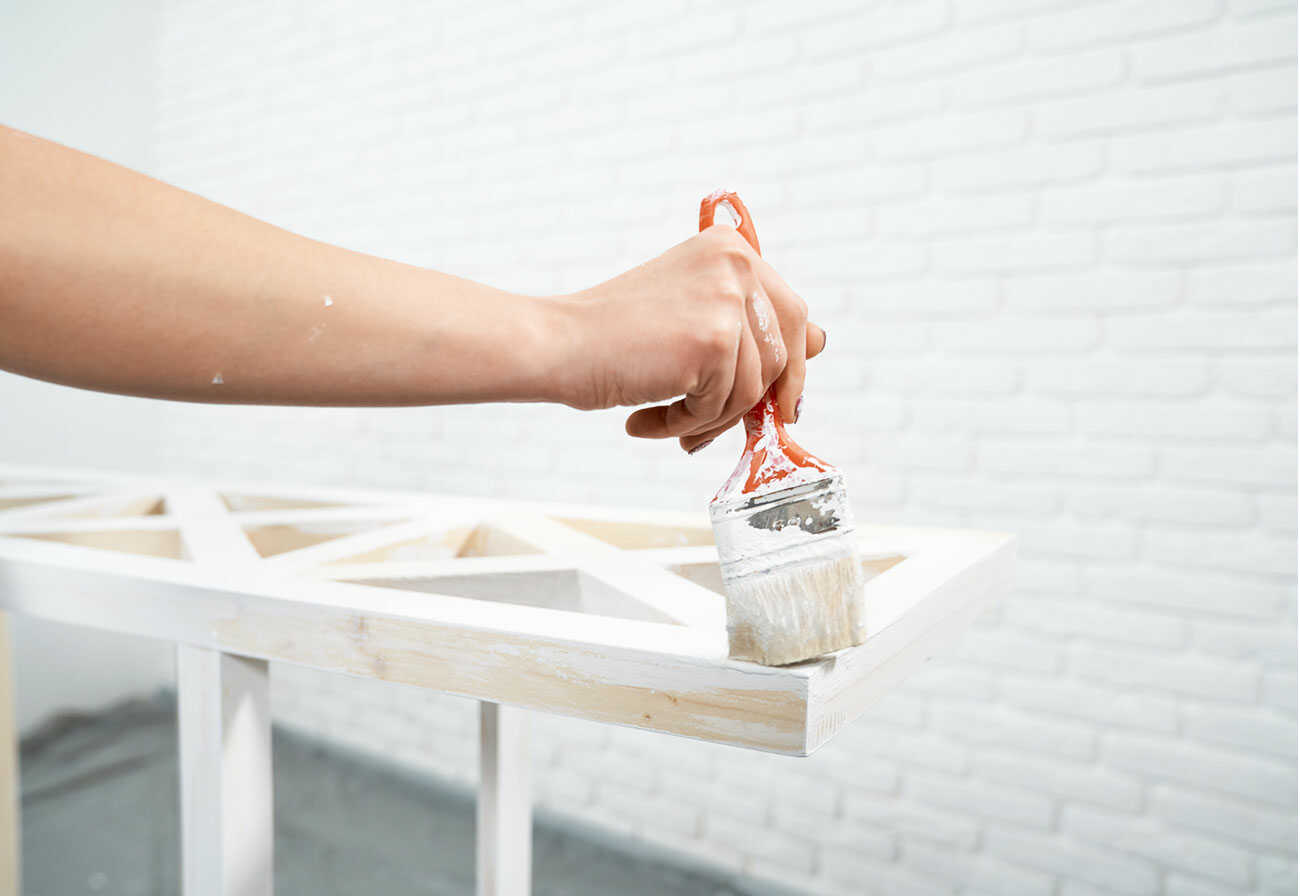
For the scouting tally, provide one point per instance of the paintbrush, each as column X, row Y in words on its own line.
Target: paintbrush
column 784, row 530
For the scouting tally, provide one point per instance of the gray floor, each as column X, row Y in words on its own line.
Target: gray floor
column 100, row 813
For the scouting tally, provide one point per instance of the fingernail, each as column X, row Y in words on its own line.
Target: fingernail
column 700, row 447
column 798, row 410
column 825, row 338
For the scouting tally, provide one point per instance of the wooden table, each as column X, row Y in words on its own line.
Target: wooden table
column 602, row 614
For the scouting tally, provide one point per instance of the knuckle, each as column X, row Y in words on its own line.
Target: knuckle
column 711, row 243
column 792, row 308
column 799, row 307
column 725, row 247
column 729, row 292
column 718, row 336
column 714, row 234
column 735, row 257
column 723, row 237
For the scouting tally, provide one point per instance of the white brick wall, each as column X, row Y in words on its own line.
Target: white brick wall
column 1053, row 245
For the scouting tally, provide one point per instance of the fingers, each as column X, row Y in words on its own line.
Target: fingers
column 697, row 409
column 760, row 358
column 815, row 343
column 749, row 383
column 700, row 418
column 773, row 340
column 688, row 414
column 816, row 340
column 789, row 385
column 701, row 409
column 691, row 444
column 648, row 423
column 793, row 316
column 747, row 390
column 766, row 324
column 760, row 364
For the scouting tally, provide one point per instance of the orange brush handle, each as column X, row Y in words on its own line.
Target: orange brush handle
column 744, row 223
column 763, row 422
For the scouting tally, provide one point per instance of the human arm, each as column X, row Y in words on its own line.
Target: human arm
column 114, row 281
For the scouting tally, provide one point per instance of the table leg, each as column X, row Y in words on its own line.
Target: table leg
column 10, row 799
column 224, row 715
column 505, row 822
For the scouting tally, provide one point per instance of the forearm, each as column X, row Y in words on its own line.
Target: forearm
column 113, row 281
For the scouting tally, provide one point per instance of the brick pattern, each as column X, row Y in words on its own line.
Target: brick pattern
column 1053, row 245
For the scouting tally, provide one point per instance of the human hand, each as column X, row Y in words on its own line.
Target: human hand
column 710, row 321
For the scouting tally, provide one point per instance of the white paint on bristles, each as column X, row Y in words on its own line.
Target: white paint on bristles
column 786, row 546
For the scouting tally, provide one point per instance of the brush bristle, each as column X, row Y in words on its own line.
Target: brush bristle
column 797, row 612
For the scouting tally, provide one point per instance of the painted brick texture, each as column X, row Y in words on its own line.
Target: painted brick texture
column 1053, row 245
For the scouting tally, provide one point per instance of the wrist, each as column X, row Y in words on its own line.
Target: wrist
column 556, row 328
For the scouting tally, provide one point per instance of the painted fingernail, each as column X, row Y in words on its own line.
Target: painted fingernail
column 798, row 410
column 700, row 447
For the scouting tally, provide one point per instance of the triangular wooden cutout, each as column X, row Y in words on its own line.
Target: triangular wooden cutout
column 96, row 505
column 240, row 502
column 708, row 574
column 271, row 539
column 149, row 542
column 639, row 536
column 465, row 541
column 572, row 590
column 16, row 501
column 115, row 508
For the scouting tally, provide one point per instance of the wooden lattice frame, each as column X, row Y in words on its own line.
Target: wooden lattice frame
column 607, row 615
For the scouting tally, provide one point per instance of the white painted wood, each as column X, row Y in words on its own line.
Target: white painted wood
column 43, row 488
column 370, row 539
column 504, row 835
column 10, row 829
column 967, row 572
column 224, row 715
column 429, row 569
column 212, row 537
column 82, row 509
column 55, row 525
column 673, row 596
column 14, row 498
column 662, row 677
column 513, row 635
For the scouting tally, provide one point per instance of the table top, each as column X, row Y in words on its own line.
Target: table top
column 606, row 614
